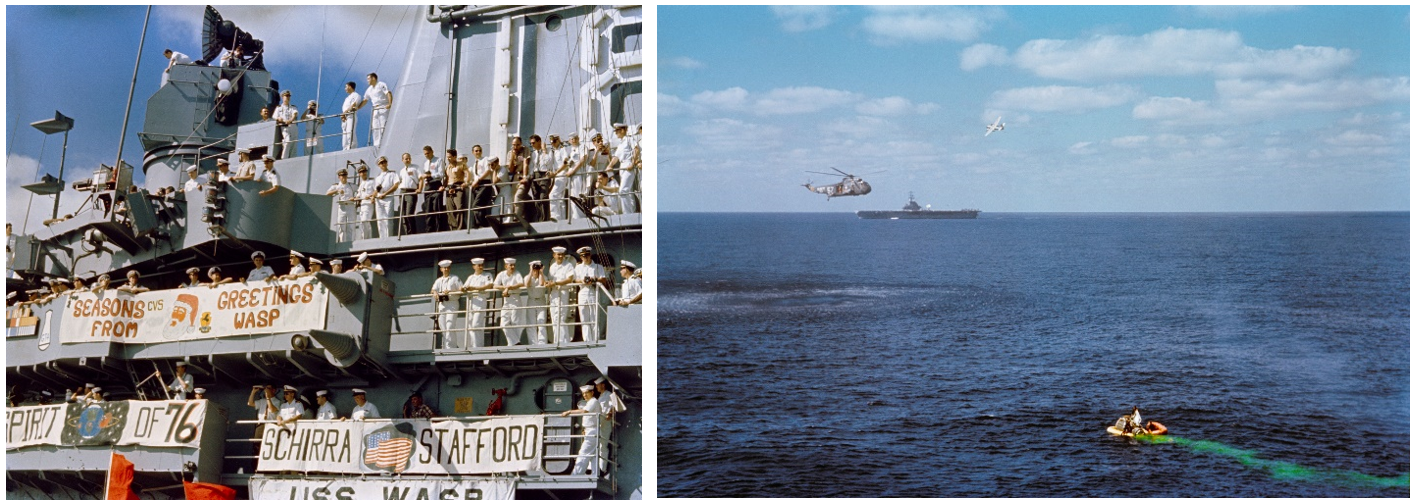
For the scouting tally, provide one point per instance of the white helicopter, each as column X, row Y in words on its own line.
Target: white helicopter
column 994, row 127
column 851, row 185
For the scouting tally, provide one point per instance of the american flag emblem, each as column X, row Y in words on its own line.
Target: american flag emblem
column 387, row 449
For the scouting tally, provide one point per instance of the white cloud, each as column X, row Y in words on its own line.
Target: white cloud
column 1353, row 138
column 21, row 170
column 797, row 18
column 980, row 55
column 1176, row 109
column 289, row 31
column 1062, row 98
column 894, row 106
column 685, row 63
column 860, row 128
column 1130, row 141
column 800, row 100
column 734, row 136
column 893, row 25
column 1083, row 148
column 729, row 99
column 669, row 105
column 1245, row 101
column 1175, row 51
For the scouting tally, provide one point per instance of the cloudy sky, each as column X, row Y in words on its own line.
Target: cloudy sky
column 79, row 60
column 1106, row 108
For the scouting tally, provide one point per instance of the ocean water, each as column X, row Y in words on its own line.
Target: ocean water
column 823, row 355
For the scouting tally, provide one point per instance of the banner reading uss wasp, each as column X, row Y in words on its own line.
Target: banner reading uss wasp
column 194, row 313
column 398, row 446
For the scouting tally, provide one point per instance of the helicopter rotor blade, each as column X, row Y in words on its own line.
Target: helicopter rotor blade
column 825, row 174
column 840, row 171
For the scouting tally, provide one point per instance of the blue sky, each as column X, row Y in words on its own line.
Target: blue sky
column 79, row 60
column 1148, row 108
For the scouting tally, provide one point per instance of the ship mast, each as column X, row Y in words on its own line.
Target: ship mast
column 128, row 113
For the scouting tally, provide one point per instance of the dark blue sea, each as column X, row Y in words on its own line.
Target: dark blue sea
column 824, row 355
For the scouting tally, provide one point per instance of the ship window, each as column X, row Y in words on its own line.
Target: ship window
column 627, row 104
column 553, row 23
column 628, row 37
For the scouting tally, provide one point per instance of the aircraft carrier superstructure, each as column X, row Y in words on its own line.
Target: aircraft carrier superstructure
column 473, row 75
column 914, row 211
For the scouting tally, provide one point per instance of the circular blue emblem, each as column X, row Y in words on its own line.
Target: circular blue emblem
column 90, row 422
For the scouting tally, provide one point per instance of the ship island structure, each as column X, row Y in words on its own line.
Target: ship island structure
column 914, row 211
column 504, row 424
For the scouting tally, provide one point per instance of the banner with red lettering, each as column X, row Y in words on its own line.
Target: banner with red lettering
column 195, row 313
column 405, row 446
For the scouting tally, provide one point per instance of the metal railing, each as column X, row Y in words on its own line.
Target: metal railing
column 508, row 208
column 461, row 336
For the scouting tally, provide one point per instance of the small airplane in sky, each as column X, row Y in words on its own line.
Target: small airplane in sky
column 850, row 186
column 997, row 126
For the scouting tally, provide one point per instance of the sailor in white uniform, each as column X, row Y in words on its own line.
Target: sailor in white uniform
column 261, row 271
column 387, row 184
column 623, row 157
column 266, row 408
column 367, row 187
column 296, row 269
column 589, row 449
column 349, row 119
column 446, row 290
column 292, row 410
column 182, row 383
column 343, row 191
column 381, row 99
column 326, row 409
column 578, row 173
column 589, row 275
column 285, row 115
column 561, row 279
column 478, row 283
column 192, row 183
column 174, row 58
column 269, row 175
column 537, row 302
column 632, row 284
column 363, row 409
column 193, row 275
column 510, row 285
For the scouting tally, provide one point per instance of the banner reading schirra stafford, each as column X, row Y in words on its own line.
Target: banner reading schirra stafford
column 195, row 313
column 472, row 447
column 318, row 488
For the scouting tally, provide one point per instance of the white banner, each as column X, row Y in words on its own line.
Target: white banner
column 38, row 425
column 262, row 488
column 167, row 423
column 195, row 313
column 406, row 446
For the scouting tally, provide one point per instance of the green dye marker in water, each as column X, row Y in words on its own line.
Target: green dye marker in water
column 1281, row 470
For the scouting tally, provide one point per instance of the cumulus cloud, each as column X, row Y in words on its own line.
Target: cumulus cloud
column 290, row 31
column 669, row 105
column 729, row 99
column 1083, row 148
column 1062, row 98
column 912, row 24
column 894, row 106
column 1353, row 138
column 981, row 55
column 1244, row 101
column 800, row 100
column 21, row 170
column 860, row 128
column 797, row 18
column 684, row 63
column 1175, row 52
column 731, row 135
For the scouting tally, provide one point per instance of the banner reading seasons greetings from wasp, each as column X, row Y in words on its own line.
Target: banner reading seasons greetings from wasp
column 159, row 423
column 405, row 446
column 195, row 313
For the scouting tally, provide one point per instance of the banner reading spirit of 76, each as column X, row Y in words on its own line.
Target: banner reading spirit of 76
column 195, row 313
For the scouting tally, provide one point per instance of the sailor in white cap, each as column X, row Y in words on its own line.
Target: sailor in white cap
column 181, row 384
column 366, row 264
column 576, row 155
column 95, row 395
column 269, row 176
column 223, row 171
column 296, row 269
column 315, row 265
column 132, row 286
column 510, row 284
column 387, row 184
column 514, row 168
column 537, row 302
column 589, row 276
column 589, row 448
column 632, row 285
column 267, row 408
column 446, row 292
column 367, row 188
column 326, row 411
column 478, row 284
column 285, row 115
column 198, row 394
column 193, row 277
column 261, row 271
column 561, row 280
column 344, row 191
column 363, row 409
column 214, row 273
column 246, row 170
column 293, row 409
column 336, row 266
column 191, row 182
column 101, row 284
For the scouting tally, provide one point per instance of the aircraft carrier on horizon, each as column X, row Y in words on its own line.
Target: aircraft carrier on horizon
column 474, row 75
column 912, row 211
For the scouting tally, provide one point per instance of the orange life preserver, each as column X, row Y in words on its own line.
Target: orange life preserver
column 1156, row 428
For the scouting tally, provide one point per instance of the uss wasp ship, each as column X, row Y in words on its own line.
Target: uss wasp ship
column 473, row 75
column 913, row 211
